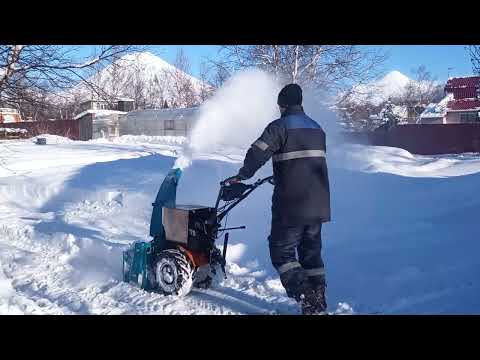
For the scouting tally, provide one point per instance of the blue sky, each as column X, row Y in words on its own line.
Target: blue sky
column 437, row 58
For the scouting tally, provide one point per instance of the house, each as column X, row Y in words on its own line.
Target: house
column 465, row 106
column 120, row 104
column 435, row 113
column 8, row 115
column 105, row 115
column 461, row 103
column 159, row 122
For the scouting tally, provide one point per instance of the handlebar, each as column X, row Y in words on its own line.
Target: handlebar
column 249, row 187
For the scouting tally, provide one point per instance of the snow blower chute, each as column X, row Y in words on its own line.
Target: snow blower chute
column 182, row 252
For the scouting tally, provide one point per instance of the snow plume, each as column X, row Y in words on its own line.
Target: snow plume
column 238, row 112
column 235, row 116
column 185, row 158
column 319, row 107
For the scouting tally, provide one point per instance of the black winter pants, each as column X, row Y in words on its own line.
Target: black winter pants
column 306, row 270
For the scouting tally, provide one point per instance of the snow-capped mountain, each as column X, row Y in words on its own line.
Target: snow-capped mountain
column 391, row 85
column 135, row 74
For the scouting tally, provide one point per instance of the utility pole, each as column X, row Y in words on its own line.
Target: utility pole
column 449, row 69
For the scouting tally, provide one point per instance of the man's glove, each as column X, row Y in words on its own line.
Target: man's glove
column 232, row 180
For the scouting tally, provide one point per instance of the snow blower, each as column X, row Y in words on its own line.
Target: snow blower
column 182, row 253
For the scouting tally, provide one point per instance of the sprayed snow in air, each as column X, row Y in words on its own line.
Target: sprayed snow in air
column 233, row 118
column 237, row 114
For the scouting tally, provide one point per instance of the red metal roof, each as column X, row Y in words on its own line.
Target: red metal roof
column 463, row 82
column 463, row 104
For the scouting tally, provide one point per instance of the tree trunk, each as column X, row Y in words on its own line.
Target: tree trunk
column 295, row 66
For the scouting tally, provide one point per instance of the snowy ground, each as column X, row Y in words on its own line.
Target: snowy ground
column 402, row 239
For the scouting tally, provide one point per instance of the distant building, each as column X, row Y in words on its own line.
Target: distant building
column 460, row 105
column 105, row 115
column 465, row 106
column 8, row 115
column 119, row 104
column 436, row 113
column 159, row 122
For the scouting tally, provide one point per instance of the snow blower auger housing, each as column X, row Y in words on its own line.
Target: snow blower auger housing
column 182, row 252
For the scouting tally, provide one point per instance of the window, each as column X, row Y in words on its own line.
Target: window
column 469, row 117
column 103, row 106
column 169, row 125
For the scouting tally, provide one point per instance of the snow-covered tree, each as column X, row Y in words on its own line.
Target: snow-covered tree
column 423, row 90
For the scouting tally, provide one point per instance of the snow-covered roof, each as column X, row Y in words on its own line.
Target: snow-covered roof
column 105, row 101
column 188, row 114
column 437, row 110
column 98, row 113
column 13, row 130
column 8, row 110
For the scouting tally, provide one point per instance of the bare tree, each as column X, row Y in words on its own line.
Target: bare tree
column 424, row 89
column 206, row 90
column 325, row 67
column 155, row 92
column 218, row 73
column 49, row 68
column 420, row 92
column 182, row 91
column 37, row 77
column 474, row 52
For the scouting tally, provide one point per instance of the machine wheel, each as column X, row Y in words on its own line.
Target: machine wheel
column 174, row 272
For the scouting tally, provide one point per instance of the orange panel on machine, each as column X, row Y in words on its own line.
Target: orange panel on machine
column 198, row 259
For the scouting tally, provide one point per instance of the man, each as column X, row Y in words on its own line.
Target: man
column 301, row 198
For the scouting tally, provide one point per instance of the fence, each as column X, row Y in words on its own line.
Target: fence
column 73, row 129
column 425, row 139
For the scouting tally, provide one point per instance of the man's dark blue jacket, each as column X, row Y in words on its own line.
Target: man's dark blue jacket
column 297, row 146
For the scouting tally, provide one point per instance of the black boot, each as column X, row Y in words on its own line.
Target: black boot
column 313, row 303
column 299, row 287
column 316, row 303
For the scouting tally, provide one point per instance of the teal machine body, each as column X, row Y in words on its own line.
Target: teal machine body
column 138, row 259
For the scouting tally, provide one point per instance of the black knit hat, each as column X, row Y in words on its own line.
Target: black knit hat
column 290, row 95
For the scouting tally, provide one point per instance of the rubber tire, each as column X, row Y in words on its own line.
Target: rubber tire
column 173, row 273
